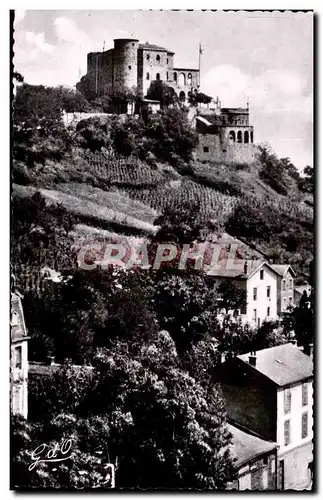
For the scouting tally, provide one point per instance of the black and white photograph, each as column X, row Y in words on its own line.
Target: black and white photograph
column 162, row 244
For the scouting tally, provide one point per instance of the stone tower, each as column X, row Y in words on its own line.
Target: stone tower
column 125, row 63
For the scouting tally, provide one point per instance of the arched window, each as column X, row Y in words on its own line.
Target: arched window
column 232, row 136
column 182, row 96
column 175, row 76
column 157, row 76
column 167, row 60
column 158, row 58
column 147, row 76
column 239, row 136
column 14, row 319
column 189, row 79
column 251, row 136
column 147, row 57
column 246, row 137
column 182, row 80
column 206, row 149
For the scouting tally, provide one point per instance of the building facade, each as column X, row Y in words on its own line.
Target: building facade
column 259, row 280
column 256, row 460
column 133, row 65
column 19, row 358
column 285, row 287
column 225, row 135
column 270, row 392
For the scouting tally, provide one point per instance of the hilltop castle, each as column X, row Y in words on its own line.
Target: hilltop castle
column 225, row 134
column 131, row 64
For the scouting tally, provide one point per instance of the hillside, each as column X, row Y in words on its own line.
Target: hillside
column 117, row 175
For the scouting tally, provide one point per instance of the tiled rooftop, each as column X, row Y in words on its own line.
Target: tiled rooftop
column 283, row 364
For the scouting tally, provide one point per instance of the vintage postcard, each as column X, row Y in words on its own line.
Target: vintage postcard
column 162, row 250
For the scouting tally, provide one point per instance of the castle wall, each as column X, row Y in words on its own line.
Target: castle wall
column 211, row 148
column 154, row 67
column 125, row 60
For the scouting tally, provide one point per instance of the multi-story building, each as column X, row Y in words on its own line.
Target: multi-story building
column 132, row 64
column 270, row 392
column 259, row 280
column 19, row 358
column 285, row 286
column 256, row 460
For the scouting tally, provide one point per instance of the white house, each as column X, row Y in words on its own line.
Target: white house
column 19, row 358
column 285, row 286
column 259, row 280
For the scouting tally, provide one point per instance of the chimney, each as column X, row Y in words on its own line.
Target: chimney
column 308, row 349
column 245, row 268
column 252, row 358
column 51, row 360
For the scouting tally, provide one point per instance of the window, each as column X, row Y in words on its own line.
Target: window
column 262, row 274
column 129, row 67
column 239, row 136
column 304, row 425
column 284, row 285
column 258, row 321
column 175, row 77
column 281, row 477
column 206, row 149
column 158, row 58
column 255, row 315
column 285, row 302
column 255, row 294
column 251, row 136
column 147, row 76
column 268, row 311
column 246, row 137
column 290, row 284
column 18, row 357
column 304, row 394
column 14, row 319
column 268, row 292
column 287, row 400
column 147, row 57
column 232, row 136
column 157, row 76
column 287, row 432
column 290, row 300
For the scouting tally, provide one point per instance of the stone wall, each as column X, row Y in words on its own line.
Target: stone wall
column 296, row 471
column 211, row 148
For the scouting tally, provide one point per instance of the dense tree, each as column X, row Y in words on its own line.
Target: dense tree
column 179, row 224
column 143, row 412
column 273, row 171
column 161, row 92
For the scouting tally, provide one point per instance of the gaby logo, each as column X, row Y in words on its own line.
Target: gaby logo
column 55, row 453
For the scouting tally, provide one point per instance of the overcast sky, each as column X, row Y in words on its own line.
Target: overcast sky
column 266, row 57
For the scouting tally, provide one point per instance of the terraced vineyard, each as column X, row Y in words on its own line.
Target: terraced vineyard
column 118, row 171
column 177, row 192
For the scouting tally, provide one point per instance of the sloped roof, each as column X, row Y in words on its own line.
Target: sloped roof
column 246, row 446
column 236, row 269
column 284, row 364
column 203, row 120
column 149, row 46
column 18, row 327
column 283, row 268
